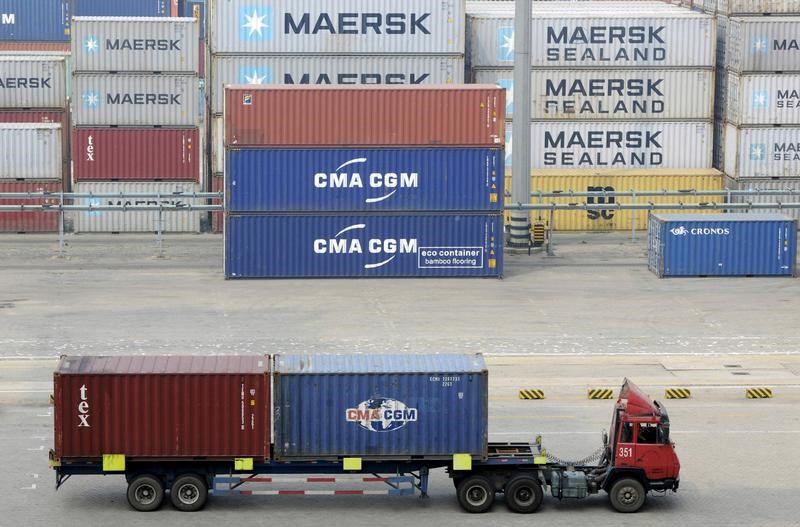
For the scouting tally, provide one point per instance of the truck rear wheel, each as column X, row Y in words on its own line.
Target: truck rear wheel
column 524, row 494
column 145, row 493
column 476, row 494
column 627, row 495
column 189, row 493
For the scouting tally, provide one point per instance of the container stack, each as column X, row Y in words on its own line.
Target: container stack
column 330, row 43
column 136, row 115
column 35, row 25
column 363, row 182
column 621, row 98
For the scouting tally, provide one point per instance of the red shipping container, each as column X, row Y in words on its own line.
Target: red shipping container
column 217, row 220
column 162, row 407
column 136, row 154
column 61, row 47
column 464, row 115
column 28, row 221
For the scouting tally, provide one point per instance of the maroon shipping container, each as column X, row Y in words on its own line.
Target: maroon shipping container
column 162, row 407
column 35, row 116
column 136, row 154
column 217, row 220
column 464, row 115
column 29, row 221
column 62, row 47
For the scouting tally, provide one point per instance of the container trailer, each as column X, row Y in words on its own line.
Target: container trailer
column 188, row 427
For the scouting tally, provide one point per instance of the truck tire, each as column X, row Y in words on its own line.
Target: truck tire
column 189, row 493
column 627, row 495
column 524, row 494
column 145, row 493
column 476, row 494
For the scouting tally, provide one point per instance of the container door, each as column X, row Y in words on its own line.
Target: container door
column 787, row 246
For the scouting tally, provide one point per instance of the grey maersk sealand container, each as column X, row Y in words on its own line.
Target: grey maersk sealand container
column 763, row 44
column 33, row 81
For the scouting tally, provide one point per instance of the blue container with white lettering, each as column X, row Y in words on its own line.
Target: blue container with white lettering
column 388, row 179
column 722, row 245
column 380, row 406
column 35, row 20
column 365, row 245
column 122, row 7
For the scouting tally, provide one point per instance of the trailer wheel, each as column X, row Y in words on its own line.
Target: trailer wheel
column 524, row 494
column 627, row 495
column 145, row 493
column 189, row 493
column 476, row 494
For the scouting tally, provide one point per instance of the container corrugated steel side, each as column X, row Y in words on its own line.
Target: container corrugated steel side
column 135, row 44
column 33, row 82
column 217, row 145
column 722, row 245
column 647, row 94
column 376, row 245
column 337, row 28
column 135, row 100
column 31, row 151
column 29, row 47
column 399, row 179
column 195, row 9
column 122, row 7
column 132, row 220
column 756, row 7
column 763, row 99
column 144, row 154
column 35, row 20
column 350, row 69
column 609, row 180
column 162, row 407
column 757, row 44
column 29, row 221
column 380, row 406
column 755, row 185
column 762, row 152
column 38, row 116
column 465, row 115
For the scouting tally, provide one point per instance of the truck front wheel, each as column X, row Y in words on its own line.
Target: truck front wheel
column 524, row 494
column 627, row 495
column 189, row 493
column 145, row 493
column 476, row 494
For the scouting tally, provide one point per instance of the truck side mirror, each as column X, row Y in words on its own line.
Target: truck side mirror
column 605, row 438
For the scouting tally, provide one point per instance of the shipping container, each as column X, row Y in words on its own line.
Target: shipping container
column 148, row 8
column 376, row 245
column 195, row 9
column 756, row 99
column 772, row 184
column 350, row 69
column 344, row 27
column 647, row 94
column 162, row 407
column 35, row 20
column 29, row 221
column 135, row 44
column 756, row 44
column 217, row 145
column 132, row 220
column 380, row 406
column 54, row 116
column 568, row 182
column 31, row 151
column 762, row 152
column 343, row 180
column 135, row 100
column 722, row 245
column 28, row 47
column 465, row 115
column 217, row 218
column 755, row 7
column 33, row 81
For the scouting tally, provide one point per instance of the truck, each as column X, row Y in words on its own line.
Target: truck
column 187, row 427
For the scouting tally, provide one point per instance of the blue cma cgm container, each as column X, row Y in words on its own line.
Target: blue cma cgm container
column 35, row 20
column 122, row 7
column 380, row 406
column 722, row 245
column 377, row 245
column 392, row 179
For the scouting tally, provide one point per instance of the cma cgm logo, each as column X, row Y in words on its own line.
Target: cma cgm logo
column 388, row 182
column 758, row 152
column 381, row 414
column 505, row 44
column 255, row 23
column 255, row 75
column 760, row 99
column 700, row 231
column 346, row 242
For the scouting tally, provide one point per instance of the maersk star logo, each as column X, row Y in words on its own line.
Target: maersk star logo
column 760, row 99
column 248, row 75
column 91, row 44
column 91, row 99
column 505, row 44
column 508, row 85
column 508, row 148
column 758, row 152
column 760, row 45
column 255, row 23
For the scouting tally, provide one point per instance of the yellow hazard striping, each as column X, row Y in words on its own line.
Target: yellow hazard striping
column 678, row 393
column 758, row 393
column 601, row 393
column 531, row 394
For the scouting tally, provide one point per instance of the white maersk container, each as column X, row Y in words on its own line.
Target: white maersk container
column 145, row 44
column 647, row 94
column 757, row 99
column 754, row 185
column 37, row 81
column 345, row 69
column 762, row 152
column 749, row 7
column 337, row 28
column 755, row 44
column 30, row 151
column 132, row 220
column 135, row 100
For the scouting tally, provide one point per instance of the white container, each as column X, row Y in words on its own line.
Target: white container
column 132, row 220
column 762, row 152
column 755, row 185
column 756, row 44
column 754, row 99
column 346, row 69
column 217, row 146
column 339, row 28
column 135, row 100
column 647, row 94
column 135, row 44
column 754, row 7
column 38, row 81
column 30, row 151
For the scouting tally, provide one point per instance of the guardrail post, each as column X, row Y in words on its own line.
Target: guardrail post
column 159, row 237
column 550, row 232
column 633, row 216
column 61, row 251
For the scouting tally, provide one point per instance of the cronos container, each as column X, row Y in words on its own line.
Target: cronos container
column 722, row 245
column 646, row 94
column 756, row 7
column 344, row 27
column 33, row 81
column 135, row 44
column 755, row 99
column 762, row 152
column 30, row 221
column 161, row 407
column 135, row 100
column 347, row 69
column 763, row 44
column 144, row 154
column 380, row 406
column 465, row 115
column 292, row 180
column 30, row 151
column 385, row 245
column 149, row 8
column 762, row 185
column 35, row 20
